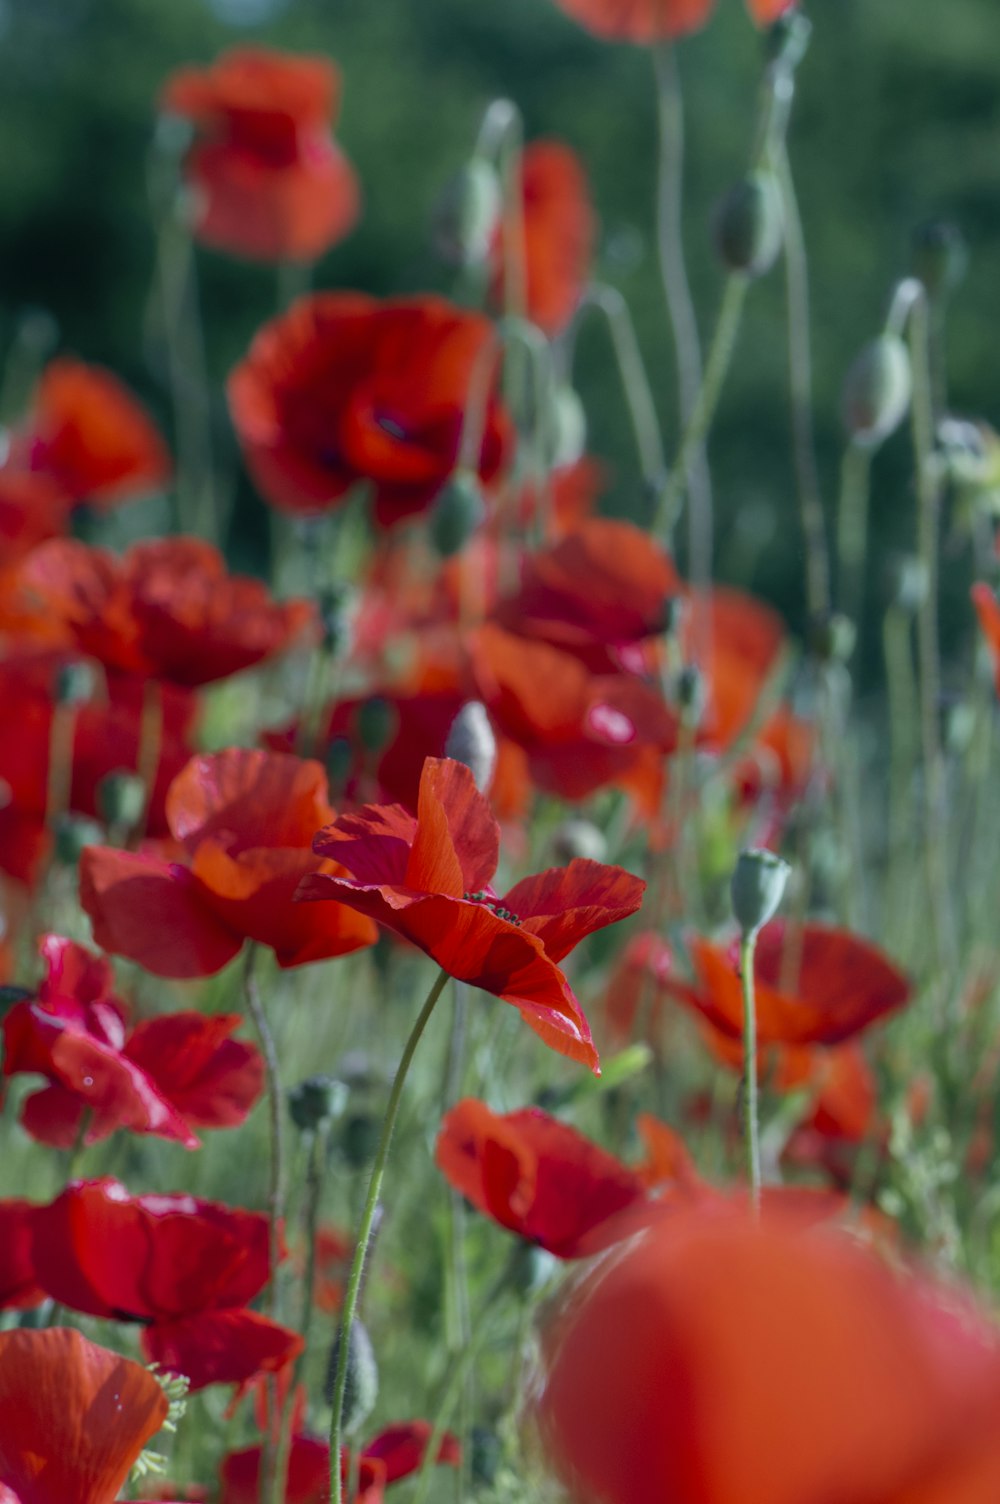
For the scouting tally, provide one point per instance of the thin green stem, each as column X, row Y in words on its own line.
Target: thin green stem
column 365, row 1233
column 751, row 1110
column 635, row 382
column 852, row 529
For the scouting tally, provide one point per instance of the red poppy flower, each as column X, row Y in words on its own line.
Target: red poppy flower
column 539, row 1178
column 342, row 389
column 90, row 436
column 166, row 609
column 269, row 181
column 657, row 20
column 18, row 1286
column 246, row 820
column 183, row 1268
column 638, row 987
column 428, row 878
column 722, row 1359
column 394, row 1453
column 73, row 1418
column 558, row 235
column 844, row 984
column 33, row 508
column 166, row 1076
column 988, row 612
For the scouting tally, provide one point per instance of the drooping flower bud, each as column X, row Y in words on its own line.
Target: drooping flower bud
column 565, row 427
column 876, row 392
column 749, row 225
column 466, row 214
column 361, row 1393
column 457, row 512
column 757, row 888
column 472, row 742
column 375, row 720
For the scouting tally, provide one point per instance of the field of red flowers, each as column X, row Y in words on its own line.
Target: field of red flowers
column 487, row 1013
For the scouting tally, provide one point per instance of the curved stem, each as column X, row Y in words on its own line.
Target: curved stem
column 632, row 370
column 365, row 1233
column 852, row 530
column 751, row 1111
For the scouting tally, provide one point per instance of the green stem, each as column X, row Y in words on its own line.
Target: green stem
column 751, row 1111
column 719, row 357
column 852, row 530
column 635, row 382
column 365, row 1233
column 276, row 1189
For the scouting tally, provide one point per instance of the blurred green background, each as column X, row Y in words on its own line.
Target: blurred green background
column 896, row 121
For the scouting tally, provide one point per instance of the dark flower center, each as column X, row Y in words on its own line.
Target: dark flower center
column 494, row 904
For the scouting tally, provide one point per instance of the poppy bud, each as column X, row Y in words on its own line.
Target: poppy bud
column 674, row 610
column 692, row 693
column 749, row 226
column 121, row 799
column 940, row 257
column 74, row 683
column 485, row 1452
column 361, row 1392
column 375, row 720
column 787, row 40
column 876, row 392
column 338, row 760
column 334, row 616
column 581, row 838
column 466, row 214
column 358, row 1139
column 529, row 1268
column 832, row 639
column 315, row 1101
column 72, row 834
column 757, row 886
column 471, row 741
column 10, row 995
column 565, row 427
column 909, row 584
column 457, row 512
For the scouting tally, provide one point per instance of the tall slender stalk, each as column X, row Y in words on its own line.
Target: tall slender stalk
column 751, row 1109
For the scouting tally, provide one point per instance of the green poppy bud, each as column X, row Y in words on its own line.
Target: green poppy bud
column 338, row 760
column 74, row 683
column 832, row 639
column 457, row 512
column 315, row 1101
column 692, row 693
column 375, row 720
column 334, row 615
column 358, row 1139
column 565, row 427
column 749, row 225
column 121, row 799
column 909, row 583
column 876, row 393
column 471, row 741
column 467, row 213
column 581, row 838
column 72, row 834
column 361, row 1393
column 757, row 887
column 485, row 1455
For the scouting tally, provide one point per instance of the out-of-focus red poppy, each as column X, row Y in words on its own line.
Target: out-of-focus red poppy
column 558, row 227
column 638, row 987
column 737, row 642
column 183, row 1268
column 775, row 773
column 269, row 182
column 725, row 1359
column 657, row 20
column 165, row 1077
column 844, row 984
column 539, row 1177
column 988, row 612
column 90, row 436
column 342, row 389
column 18, row 1286
column 246, row 820
column 393, row 1454
column 73, row 1418
column 33, row 508
column 428, row 878
column 166, row 609
column 569, row 497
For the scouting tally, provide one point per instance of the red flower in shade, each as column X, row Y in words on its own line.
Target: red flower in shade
column 342, row 389
column 73, row 1418
column 33, row 508
column 657, row 20
column 269, row 181
column 558, row 235
column 18, row 1286
column 843, row 985
column 541, row 1179
column 90, row 436
column 427, row 878
column 184, row 1268
column 722, row 1359
column 169, row 1074
column 394, row 1453
column 246, row 820
column 166, row 609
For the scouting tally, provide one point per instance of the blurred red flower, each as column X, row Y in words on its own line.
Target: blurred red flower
column 542, row 1179
column 90, row 436
column 269, row 181
column 657, row 20
column 428, row 878
column 724, row 1359
column 183, row 1268
column 342, row 388
column 73, row 1418
column 394, row 1453
column 246, row 820
column 166, row 609
column 164, row 1077
column 18, row 1286
column 33, row 508
column 559, row 229
column 841, row 985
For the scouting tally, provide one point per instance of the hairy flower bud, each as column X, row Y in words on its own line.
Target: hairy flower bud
column 749, row 226
column 471, row 741
column 315, row 1101
column 361, row 1392
column 757, row 887
column 876, row 392
column 375, row 720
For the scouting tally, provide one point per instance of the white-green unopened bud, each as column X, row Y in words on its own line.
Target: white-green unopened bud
column 471, row 740
column 876, row 394
column 749, row 225
column 467, row 213
column 75, row 683
column 457, row 512
column 121, row 798
column 757, row 888
column 581, row 838
column 361, row 1393
column 565, row 427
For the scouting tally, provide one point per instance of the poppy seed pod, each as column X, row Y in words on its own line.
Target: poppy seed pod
column 361, row 1392
column 471, row 741
column 876, row 392
column 757, row 888
column 466, row 214
column 457, row 512
column 749, row 227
